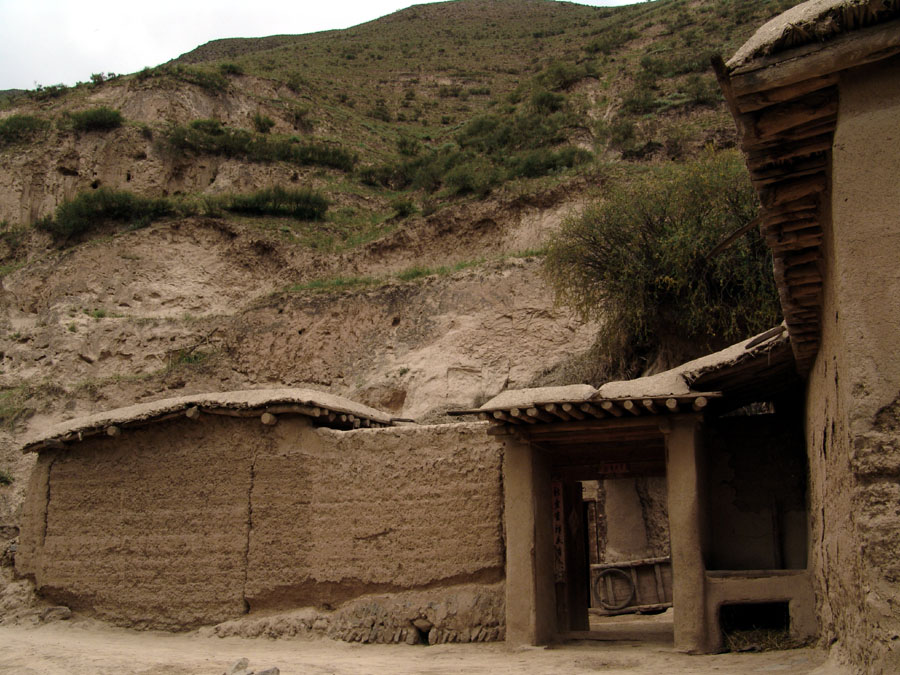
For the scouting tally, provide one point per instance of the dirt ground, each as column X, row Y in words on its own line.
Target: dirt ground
column 83, row 646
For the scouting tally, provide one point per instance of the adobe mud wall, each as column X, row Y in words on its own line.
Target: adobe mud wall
column 757, row 493
column 184, row 523
column 632, row 520
column 853, row 402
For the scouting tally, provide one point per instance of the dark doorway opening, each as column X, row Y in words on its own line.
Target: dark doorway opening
column 613, row 574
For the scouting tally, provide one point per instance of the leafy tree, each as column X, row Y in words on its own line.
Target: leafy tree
column 639, row 262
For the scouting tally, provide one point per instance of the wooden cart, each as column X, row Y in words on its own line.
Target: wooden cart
column 631, row 586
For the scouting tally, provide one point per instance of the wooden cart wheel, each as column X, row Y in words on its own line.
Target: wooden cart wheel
column 598, row 587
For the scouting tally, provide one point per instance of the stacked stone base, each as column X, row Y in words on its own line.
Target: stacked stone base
column 464, row 613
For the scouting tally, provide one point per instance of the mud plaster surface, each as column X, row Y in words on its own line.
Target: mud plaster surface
column 674, row 382
column 186, row 523
column 250, row 399
column 852, row 403
column 807, row 21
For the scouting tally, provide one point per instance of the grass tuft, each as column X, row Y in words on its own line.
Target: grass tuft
column 211, row 137
column 96, row 119
column 20, row 128
column 278, row 201
column 89, row 210
column 761, row 640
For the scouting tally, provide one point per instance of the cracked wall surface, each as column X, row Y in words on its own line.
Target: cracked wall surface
column 853, row 439
column 185, row 523
column 348, row 513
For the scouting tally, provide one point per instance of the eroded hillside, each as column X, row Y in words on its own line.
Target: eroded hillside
column 449, row 140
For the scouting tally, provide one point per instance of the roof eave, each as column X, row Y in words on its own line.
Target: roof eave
column 785, row 107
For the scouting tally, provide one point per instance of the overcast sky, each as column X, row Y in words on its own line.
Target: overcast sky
column 64, row 41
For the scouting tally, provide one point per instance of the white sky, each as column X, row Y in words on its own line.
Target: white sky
column 64, row 41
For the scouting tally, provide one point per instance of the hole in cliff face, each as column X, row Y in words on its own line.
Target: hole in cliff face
column 95, row 184
column 127, row 176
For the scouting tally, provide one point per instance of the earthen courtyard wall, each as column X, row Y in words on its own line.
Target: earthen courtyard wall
column 182, row 523
column 853, row 403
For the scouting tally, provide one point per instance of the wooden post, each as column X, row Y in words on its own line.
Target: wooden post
column 577, row 586
column 685, row 501
column 529, row 546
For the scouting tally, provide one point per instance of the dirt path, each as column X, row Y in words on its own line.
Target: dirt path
column 85, row 647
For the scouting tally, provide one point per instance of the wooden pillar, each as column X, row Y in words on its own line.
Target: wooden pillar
column 572, row 591
column 686, row 532
column 530, row 601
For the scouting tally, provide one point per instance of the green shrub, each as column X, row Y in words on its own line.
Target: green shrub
column 415, row 272
column 638, row 262
column 18, row 128
column 610, row 41
column 547, row 102
column 496, row 134
column 676, row 63
column 476, row 176
column 560, row 75
column 403, row 207
column 212, row 81
column 14, row 239
column 297, row 82
column 210, row 127
column 90, row 210
column 702, row 90
column 425, row 172
column 620, row 133
column 96, row 119
column 379, row 111
column 277, row 201
column 213, row 138
column 230, row 69
column 262, row 123
column 541, row 162
column 639, row 100
column 298, row 116
column 408, row 146
column 42, row 93
column 449, row 90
